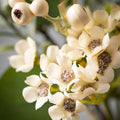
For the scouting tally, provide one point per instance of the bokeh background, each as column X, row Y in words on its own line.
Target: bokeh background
column 12, row 104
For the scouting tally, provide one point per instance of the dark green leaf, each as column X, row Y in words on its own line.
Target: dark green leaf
column 54, row 88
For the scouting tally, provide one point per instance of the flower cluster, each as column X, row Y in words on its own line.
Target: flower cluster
column 82, row 67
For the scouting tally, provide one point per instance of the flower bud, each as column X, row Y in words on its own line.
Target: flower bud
column 77, row 16
column 21, row 13
column 13, row 2
column 39, row 8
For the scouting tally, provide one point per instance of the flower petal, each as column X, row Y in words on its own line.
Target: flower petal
column 33, row 80
column 24, row 68
column 31, row 43
column 30, row 94
column 55, row 112
column 57, row 98
column 102, row 87
column 64, row 62
column 107, row 77
column 21, row 46
column 44, row 61
column 116, row 60
column 40, row 102
column 52, row 52
column 53, row 71
column 29, row 57
column 16, row 61
column 79, row 107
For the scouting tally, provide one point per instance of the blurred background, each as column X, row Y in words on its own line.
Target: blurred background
column 12, row 104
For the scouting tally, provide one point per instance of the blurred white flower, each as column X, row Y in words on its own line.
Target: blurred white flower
column 65, row 108
column 24, row 61
column 36, row 91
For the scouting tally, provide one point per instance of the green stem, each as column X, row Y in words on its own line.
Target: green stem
column 109, row 114
column 118, row 109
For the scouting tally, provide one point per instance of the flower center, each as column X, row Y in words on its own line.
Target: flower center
column 69, row 105
column 93, row 44
column 43, row 90
column 18, row 13
column 104, row 60
column 67, row 75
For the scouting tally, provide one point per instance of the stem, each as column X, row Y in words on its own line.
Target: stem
column 100, row 113
column 109, row 114
column 47, row 36
column 118, row 109
column 10, row 24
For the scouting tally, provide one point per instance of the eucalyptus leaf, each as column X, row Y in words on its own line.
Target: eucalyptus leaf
column 12, row 103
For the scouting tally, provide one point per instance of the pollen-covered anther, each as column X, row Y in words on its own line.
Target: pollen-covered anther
column 93, row 44
column 43, row 90
column 69, row 105
column 67, row 75
column 104, row 60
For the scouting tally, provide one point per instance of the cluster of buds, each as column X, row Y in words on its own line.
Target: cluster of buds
column 81, row 68
column 23, row 12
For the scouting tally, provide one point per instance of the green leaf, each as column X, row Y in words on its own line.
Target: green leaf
column 6, row 48
column 12, row 103
column 54, row 88
column 44, row 75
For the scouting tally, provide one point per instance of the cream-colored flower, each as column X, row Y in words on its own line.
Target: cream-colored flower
column 65, row 108
column 61, row 73
column 36, row 91
column 95, row 42
column 24, row 61
column 52, row 53
column 82, row 89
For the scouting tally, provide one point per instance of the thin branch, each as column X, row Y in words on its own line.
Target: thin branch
column 47, row 36
column 10, row 24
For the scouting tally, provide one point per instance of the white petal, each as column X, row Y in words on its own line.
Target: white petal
column 44, row 61
column 106, row 41
column 30, row 94
column 75, row 54
column 40, row 102
column 72, row 42
column 116, row 60
column 115, row 12
column 24, row 68
column 29, row 57
column 55, row 112
column 21, row 46
column 69, row 116
column 100, row 16
column 107, row 77
column 66, row 48
column 53, row 71
column 79, row 107
column 33, row 80
column 84, row 40
column 102, row 87
column 64, row 62
column 57, row 98
column 16, row 61
column 31, row 43
column 52, row 52
column 97, row 33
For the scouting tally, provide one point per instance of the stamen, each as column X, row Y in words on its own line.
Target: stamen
column 93, row 44
column 67, row 75
column 104, row 60
column 69, row 105
column 43, row 90
column 18, row 13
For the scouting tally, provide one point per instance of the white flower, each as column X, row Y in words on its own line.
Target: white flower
column 61, row 73
column 82, row 89
column 24, row 61
column 52, row 53
column 36, row 91
column 65, row 108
